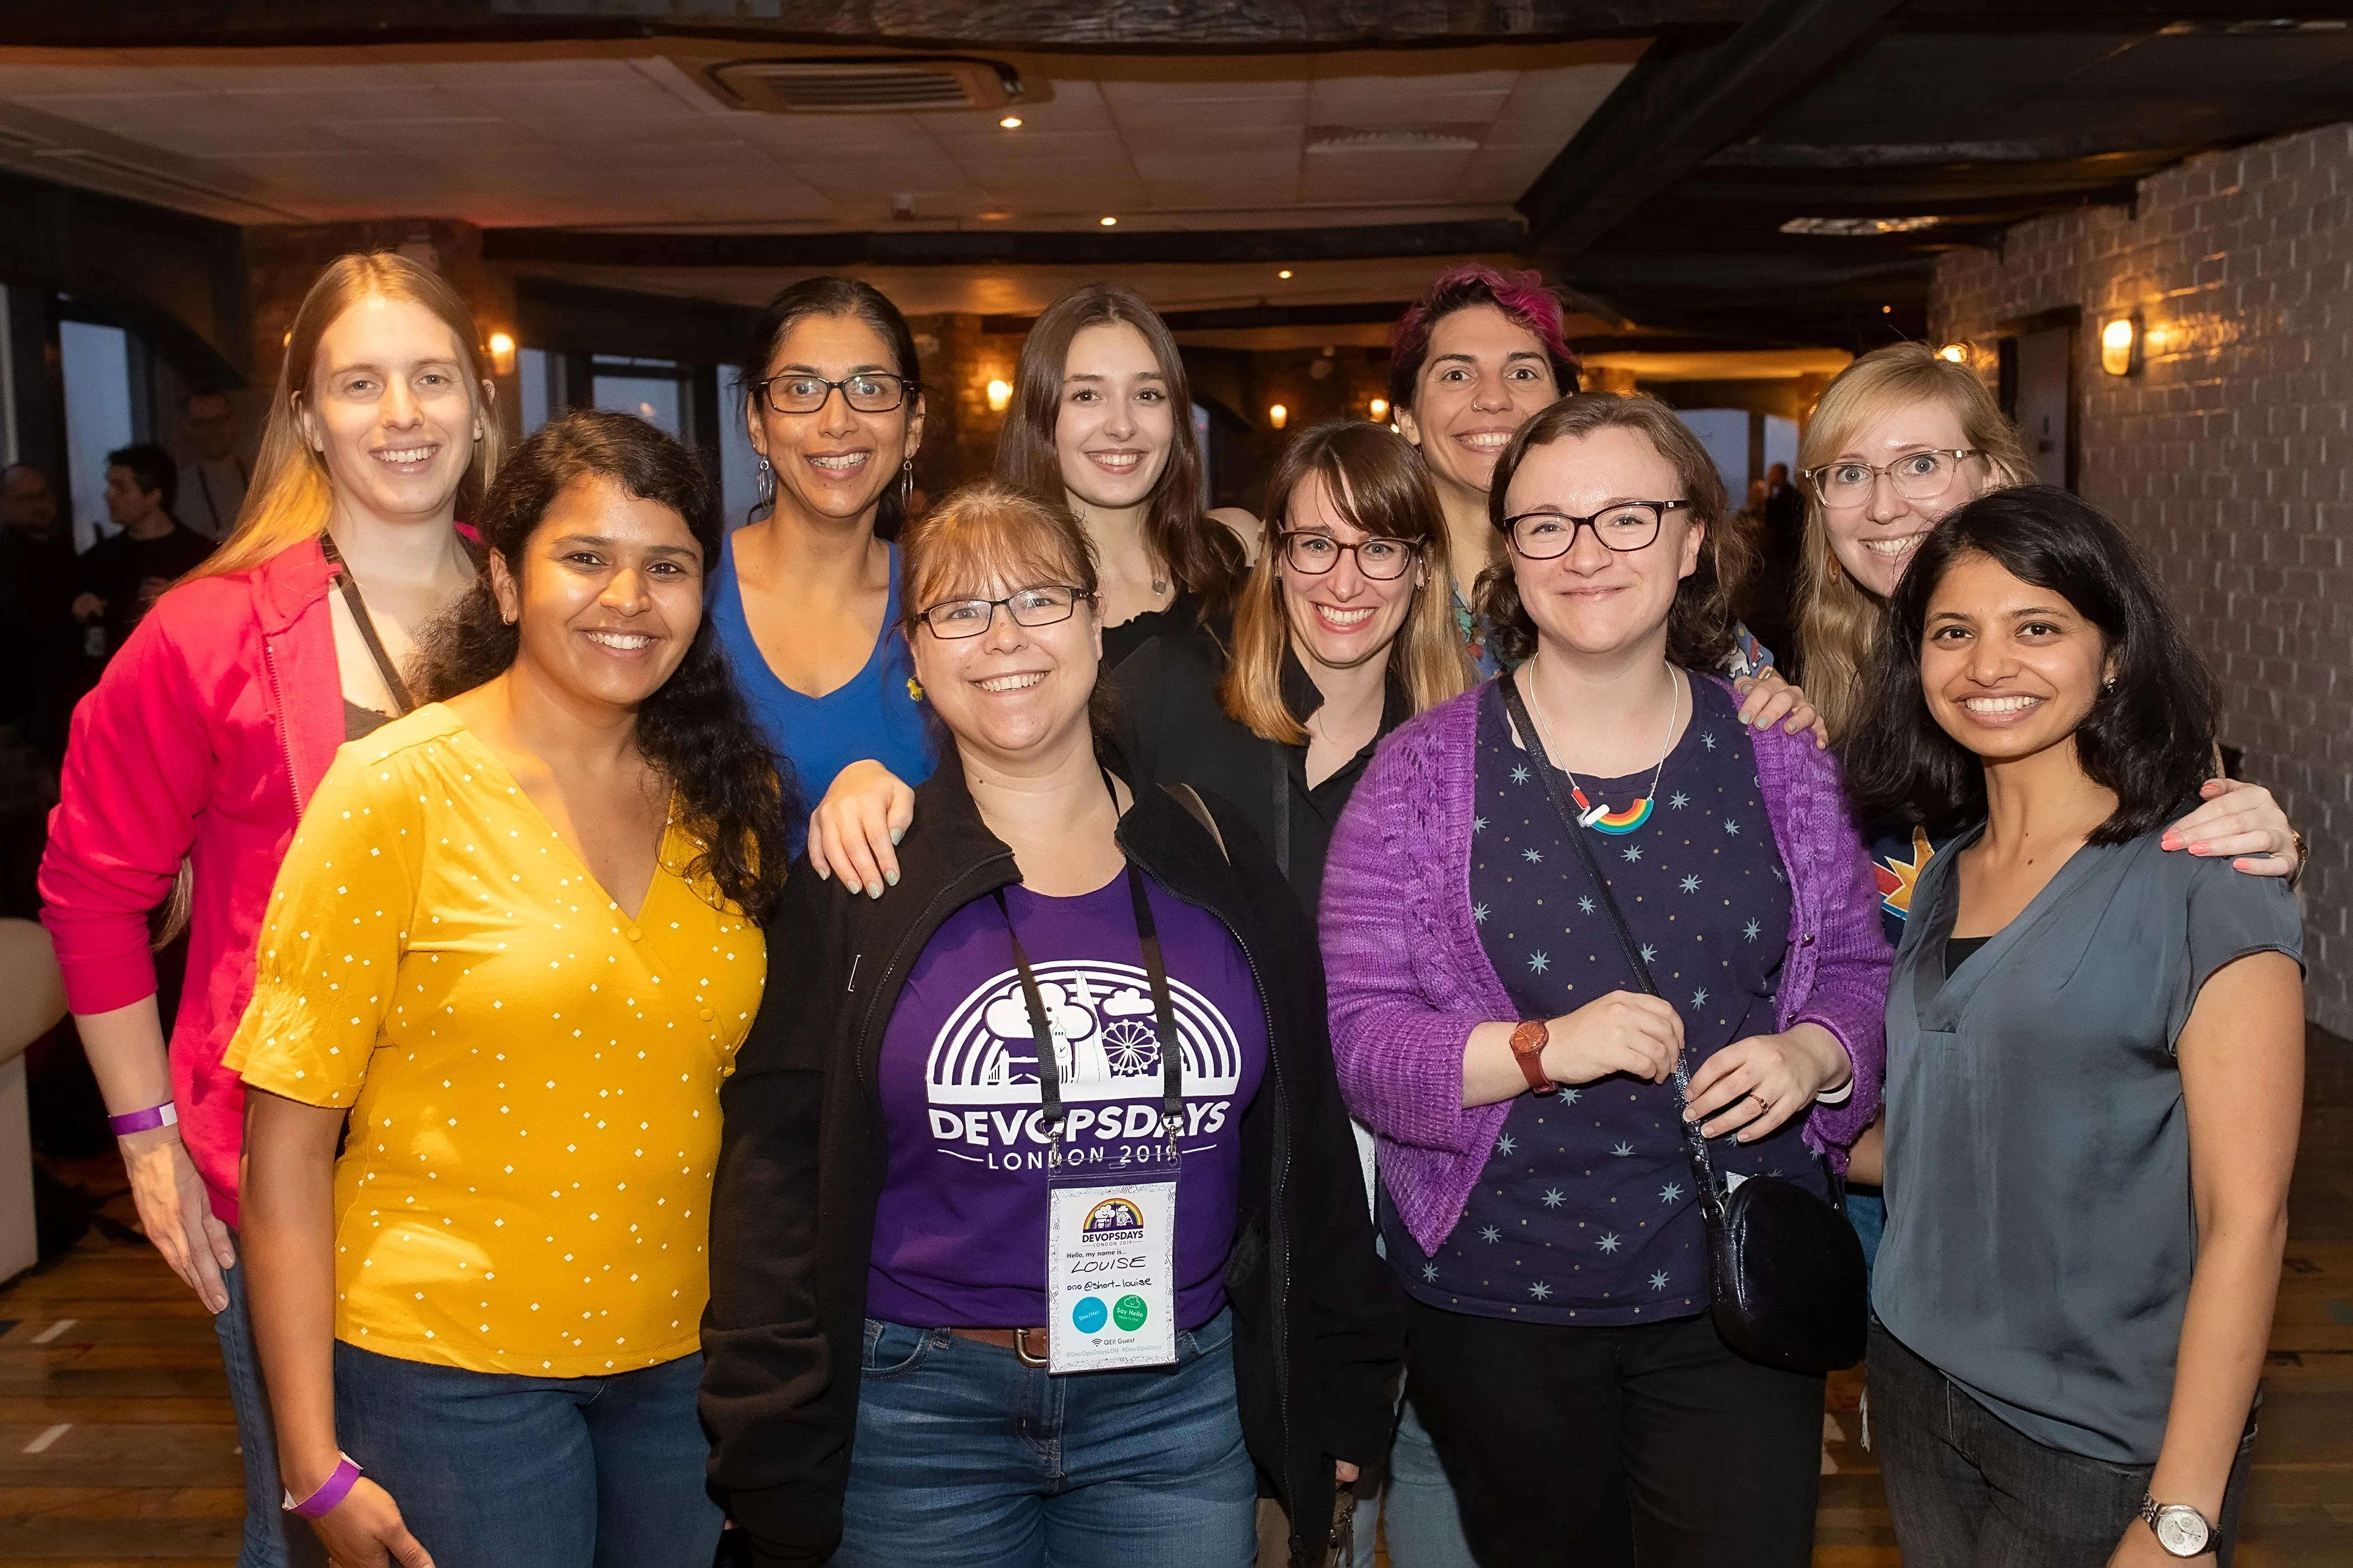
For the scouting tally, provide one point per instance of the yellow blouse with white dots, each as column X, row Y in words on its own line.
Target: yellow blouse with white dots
column 532, row 1075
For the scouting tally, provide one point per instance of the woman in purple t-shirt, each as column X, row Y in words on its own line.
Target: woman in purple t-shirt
column 965, row 1103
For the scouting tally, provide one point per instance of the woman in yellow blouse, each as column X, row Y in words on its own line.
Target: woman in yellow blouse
column 517, row 942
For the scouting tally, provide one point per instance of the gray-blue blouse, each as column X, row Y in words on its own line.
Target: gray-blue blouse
column 2039, row 1235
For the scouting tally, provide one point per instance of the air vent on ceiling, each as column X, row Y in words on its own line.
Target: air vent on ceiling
column 1393, row 138
column 867, row 85
column 1850, row 226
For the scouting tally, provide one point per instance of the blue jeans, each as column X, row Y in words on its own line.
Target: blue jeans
column 967, row 1457
column 1417, row 1506
column 273, row 1537
column 497, row 1470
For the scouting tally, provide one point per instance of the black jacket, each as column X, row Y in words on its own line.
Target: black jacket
column 1318, row 1324
column 1173, row 730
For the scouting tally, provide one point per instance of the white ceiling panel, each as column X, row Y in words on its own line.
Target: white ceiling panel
column 622, row 135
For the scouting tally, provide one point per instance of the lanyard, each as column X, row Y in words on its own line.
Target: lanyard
column 1172, row 1049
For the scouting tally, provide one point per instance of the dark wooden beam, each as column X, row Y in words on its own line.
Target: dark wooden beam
column 1144, row 25
column 999, row 247
column 576, row 318
column 1679, row 104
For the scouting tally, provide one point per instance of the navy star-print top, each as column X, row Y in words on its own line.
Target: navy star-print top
column 1585, row 1212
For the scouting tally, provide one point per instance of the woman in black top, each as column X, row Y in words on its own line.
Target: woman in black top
column 1102, row 423
column 824, row 1142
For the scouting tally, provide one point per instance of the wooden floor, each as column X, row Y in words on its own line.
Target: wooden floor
column 117, row 1450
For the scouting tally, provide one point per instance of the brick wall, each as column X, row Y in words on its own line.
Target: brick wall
column 2229, row 454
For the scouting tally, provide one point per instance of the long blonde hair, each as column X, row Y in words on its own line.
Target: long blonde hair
column 291, row 498
column 1837, row 617
column 1380, row 485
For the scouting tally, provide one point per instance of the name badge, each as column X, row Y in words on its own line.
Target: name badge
column 1111, row 1269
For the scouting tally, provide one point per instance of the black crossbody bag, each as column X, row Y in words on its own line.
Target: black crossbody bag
column 1786, row 1268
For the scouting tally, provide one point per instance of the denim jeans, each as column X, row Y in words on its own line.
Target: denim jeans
column 967, row 1457
column 499, row 1470
column 1966, row 1489
column 1415, row 1506
column 273, row 1537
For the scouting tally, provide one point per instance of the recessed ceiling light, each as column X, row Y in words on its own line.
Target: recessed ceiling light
column 1108, row 222
column 1850, row 226
column 1887, row 310
column 1285, row 273
column 1011, row 122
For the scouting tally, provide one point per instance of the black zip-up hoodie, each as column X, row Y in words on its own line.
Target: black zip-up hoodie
column 1318, row 1322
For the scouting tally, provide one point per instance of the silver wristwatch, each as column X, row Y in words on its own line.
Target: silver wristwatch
column 2182, row 1529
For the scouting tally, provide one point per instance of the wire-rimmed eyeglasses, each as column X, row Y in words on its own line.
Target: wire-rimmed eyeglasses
column 1039, row 606
column 1916, row 475
column 866, row 392
column 1626, row 526
column 1314, row 553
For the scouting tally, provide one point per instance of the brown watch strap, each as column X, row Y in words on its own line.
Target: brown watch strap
column 1528, row 1042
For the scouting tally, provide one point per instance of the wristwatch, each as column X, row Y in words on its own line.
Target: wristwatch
column 1528, row 1042
column 2182, row 1529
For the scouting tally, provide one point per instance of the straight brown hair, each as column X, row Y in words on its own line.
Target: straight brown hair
column 1380, row 485
column 1200, row 555
column 1700, row 623
column 291, row 498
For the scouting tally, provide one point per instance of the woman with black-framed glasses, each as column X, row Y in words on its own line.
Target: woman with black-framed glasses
column 1529, row 1075
column 807, row 602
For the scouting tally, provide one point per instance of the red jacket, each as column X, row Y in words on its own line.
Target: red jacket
column 204, row 738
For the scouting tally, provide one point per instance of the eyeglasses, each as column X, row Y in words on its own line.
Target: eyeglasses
column 1916, row 475
column 1630, row 525
column 1382, row 559
column 796, row 392
column 1030, row 607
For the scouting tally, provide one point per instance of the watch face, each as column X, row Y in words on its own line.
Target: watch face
column 2182, row 1529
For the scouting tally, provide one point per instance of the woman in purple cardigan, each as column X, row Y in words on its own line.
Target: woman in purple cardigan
column 1537, row 1199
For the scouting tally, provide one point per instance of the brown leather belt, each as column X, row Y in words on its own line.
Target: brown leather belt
column 1018, row 1341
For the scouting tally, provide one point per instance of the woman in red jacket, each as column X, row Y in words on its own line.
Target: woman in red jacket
column 192, row 760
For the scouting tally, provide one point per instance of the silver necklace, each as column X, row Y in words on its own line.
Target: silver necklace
column 1601, row 818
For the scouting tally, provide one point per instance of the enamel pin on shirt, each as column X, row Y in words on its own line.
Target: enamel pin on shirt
column 1110, row 1230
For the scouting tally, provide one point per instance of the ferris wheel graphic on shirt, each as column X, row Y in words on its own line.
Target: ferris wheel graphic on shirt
column 1106, row 1040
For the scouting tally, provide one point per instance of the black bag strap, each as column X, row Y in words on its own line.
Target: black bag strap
column 1694, row 1141
column 401, row 700
column 1281, row 755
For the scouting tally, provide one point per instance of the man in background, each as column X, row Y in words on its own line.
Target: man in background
column 212, row 484
column 122, row 576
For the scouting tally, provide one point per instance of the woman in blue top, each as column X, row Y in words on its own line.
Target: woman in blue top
column 807, row 602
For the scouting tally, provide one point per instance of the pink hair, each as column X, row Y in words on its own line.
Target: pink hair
column 1522, row 298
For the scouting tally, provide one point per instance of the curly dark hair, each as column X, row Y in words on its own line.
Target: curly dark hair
column 1700, row 623
column 695, row 729
column 2149, row 736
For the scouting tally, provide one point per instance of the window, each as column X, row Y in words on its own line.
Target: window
column 98, row 365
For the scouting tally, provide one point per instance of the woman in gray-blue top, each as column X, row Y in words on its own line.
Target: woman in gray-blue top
column 2095, row 1065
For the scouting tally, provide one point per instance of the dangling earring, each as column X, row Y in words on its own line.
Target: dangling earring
column 906, row 484
column 764, row 482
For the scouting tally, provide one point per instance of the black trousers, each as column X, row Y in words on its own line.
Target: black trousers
column 1966, row 1489
column 1608, row 1447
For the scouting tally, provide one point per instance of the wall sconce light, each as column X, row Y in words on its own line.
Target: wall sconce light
column 502, row 354
column 2120, row 345
column 1378, row 408
column 1000, row 395
column 1276, row 415
column 1957, row 353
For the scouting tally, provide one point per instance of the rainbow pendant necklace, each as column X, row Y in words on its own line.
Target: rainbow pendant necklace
column 1601, row 818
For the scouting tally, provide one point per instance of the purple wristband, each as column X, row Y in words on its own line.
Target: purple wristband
column 331, row 1492
column 164, row 1115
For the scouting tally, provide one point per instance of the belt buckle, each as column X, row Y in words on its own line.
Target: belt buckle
column 1021, row 1347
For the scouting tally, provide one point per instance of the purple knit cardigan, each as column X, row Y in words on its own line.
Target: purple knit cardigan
column 1409, row 979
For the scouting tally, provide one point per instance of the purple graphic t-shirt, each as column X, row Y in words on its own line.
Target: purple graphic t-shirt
column 960, row 1230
